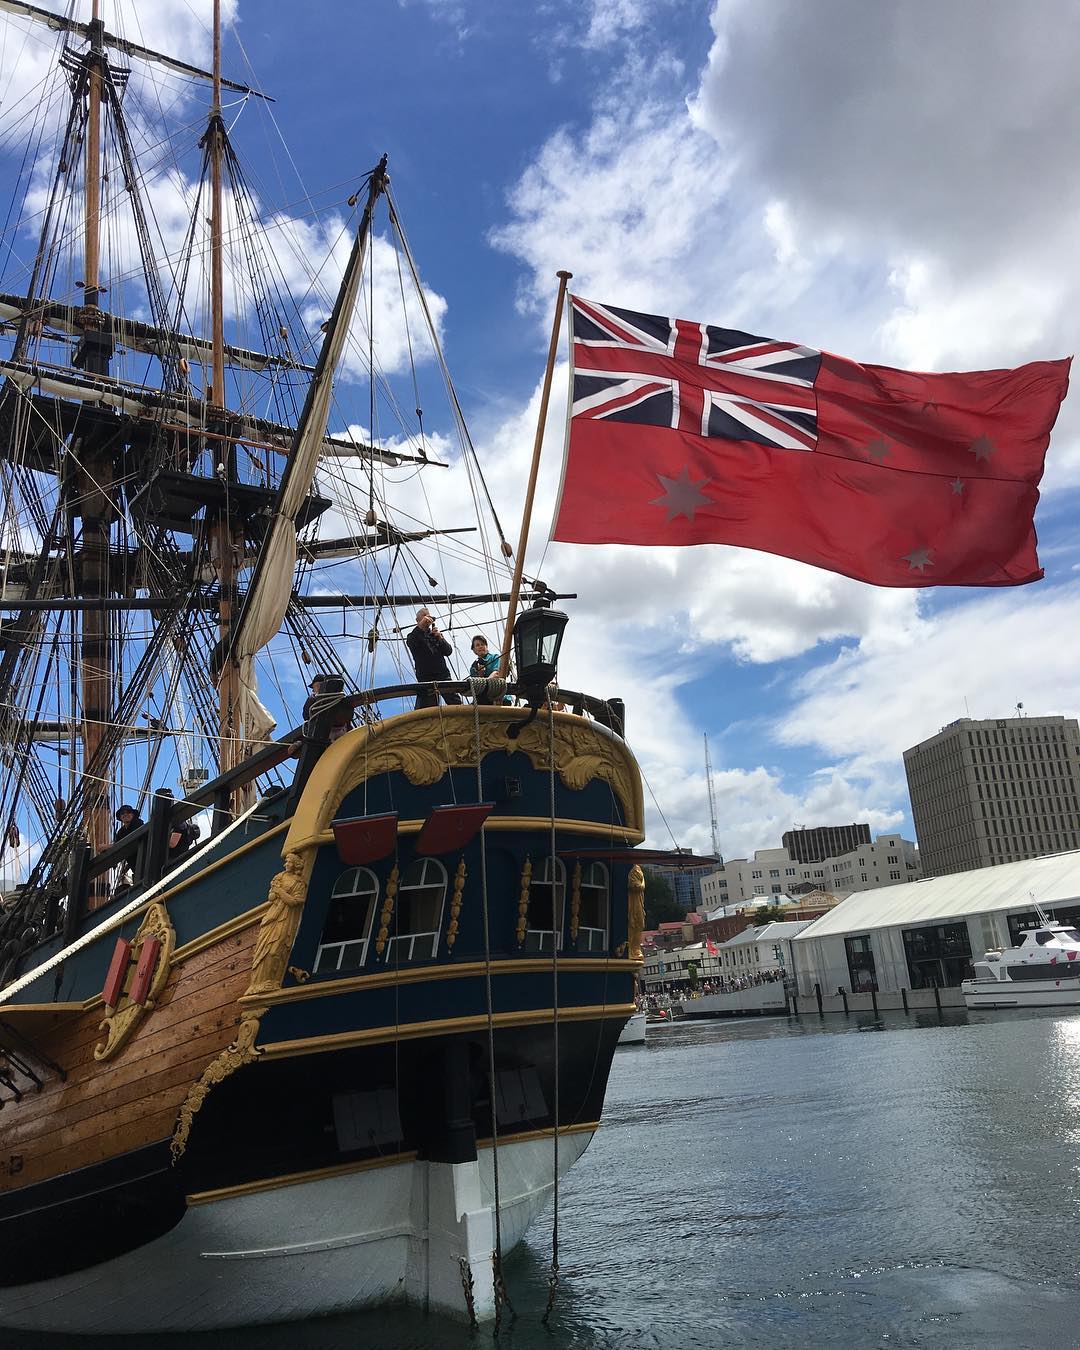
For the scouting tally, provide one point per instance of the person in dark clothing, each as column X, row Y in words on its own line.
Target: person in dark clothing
column 130, row 821
column 316, row 687
column 429, row 652
column 182, row 840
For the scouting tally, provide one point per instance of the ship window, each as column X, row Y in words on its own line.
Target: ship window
column 418, row 914
column 593, row 911
column 1042, row 937
column 543, row 907
column 347, row 930
column 1071, row 934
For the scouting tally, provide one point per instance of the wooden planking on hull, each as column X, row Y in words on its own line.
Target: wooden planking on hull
column 107, row 1108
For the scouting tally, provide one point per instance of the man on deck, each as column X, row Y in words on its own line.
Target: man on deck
column 429, row 652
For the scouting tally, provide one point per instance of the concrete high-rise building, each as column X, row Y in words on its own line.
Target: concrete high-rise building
column 986, row 792
column 824, row 841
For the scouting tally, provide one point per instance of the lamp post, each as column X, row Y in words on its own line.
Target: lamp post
column 538, row 635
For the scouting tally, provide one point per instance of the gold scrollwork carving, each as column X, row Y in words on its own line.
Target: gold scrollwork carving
column 121, row 1022
column 523, row 900
column 455, row 905
column 424, row 745
column 635, row 911
column 575, row 900
column 241, row 1051
column 387, row 910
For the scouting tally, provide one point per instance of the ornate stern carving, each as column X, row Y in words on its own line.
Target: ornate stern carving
column 455, row 905
column 277, row 931
column 523, row 902
column 122, row 1020
column 242, row 1051
column 635, row 911
column 387, row 911
column 575, row 900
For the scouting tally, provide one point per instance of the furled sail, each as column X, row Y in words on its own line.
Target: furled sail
column 271, row 585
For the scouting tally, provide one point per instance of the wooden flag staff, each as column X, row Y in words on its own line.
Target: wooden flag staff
column 530, row 492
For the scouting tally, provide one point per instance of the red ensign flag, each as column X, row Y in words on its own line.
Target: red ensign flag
column 686, row 433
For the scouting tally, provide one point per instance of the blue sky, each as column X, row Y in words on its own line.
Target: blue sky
column 887, row 181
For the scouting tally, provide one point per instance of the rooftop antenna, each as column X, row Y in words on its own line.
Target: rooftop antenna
column 712, row 801
column 967, row 710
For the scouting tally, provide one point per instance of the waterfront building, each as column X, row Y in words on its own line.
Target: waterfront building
column 773, row 873
column 750, row 952
column 990, row 792
column 818, row 842
column 929, row 933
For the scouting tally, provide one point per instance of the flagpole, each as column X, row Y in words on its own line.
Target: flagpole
column 530, row 493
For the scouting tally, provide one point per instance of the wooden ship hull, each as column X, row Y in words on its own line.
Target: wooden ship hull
column 330, row 1059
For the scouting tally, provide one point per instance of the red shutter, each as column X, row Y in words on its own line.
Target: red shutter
column 114, row 981
column 144, row 971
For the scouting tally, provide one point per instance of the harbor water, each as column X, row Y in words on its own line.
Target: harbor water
column 909, row 1181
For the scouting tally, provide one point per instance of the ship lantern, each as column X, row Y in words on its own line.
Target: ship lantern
column 538, row 636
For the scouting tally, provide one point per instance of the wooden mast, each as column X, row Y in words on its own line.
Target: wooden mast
column 223, row 540
column 95, row 507
column 530, row 491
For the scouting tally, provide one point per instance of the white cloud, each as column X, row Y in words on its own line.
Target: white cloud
column 892, row 183
column 867, row 706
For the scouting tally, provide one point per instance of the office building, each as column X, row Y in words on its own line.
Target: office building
column 685, row 882
column 824, row 841
column 990, row 792
column 772, row 872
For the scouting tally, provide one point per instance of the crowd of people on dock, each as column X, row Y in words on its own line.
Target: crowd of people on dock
column 722, row 984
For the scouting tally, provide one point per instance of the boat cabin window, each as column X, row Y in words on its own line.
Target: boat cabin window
column 1071, row 934
column 1042, row 937
column 418, row 914
column 593, row 909
column 347, row 930
column 544, row 906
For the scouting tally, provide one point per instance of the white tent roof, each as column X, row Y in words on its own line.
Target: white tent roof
column 1052, row 880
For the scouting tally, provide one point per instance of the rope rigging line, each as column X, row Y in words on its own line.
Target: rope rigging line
column 502, row 1297
column 557, row 916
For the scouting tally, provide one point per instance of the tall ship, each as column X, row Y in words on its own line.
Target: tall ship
column 298, row 1013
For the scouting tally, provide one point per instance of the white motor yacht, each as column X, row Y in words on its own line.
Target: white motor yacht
column 1043, row 971
column 634, row 1031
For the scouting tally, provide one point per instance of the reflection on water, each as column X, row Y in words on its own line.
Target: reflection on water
column 774, row 1183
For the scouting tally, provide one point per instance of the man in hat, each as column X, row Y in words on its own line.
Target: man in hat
column 429, row 651
column 130, row 821
column 316, row 685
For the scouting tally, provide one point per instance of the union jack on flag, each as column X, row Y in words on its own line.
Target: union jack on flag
column 696, row 377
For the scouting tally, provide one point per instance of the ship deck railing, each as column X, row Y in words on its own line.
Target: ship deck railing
column 145, row 851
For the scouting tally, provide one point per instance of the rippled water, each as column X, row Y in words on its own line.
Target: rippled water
column 904, row 1182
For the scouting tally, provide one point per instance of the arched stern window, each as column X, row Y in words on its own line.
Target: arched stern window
column 595, row 908
column 419, row 911
column 546, row 903
column 347, row 930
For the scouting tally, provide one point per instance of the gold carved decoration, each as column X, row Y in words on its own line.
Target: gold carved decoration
column 455, row 905
column 242, row 1051
column 387, row 910
column 425, row 744
column 288, row 890
column 121, row 1022
column 277, row 932
column 635, row 911
column 575, row 900
column 523, row 902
